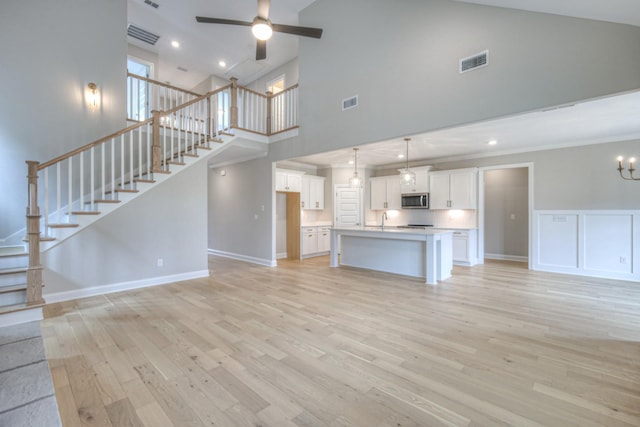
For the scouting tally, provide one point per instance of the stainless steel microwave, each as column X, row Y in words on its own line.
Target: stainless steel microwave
column 415, row 201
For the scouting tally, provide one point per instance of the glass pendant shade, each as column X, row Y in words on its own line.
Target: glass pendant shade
column 355, row 180
column 407, row 176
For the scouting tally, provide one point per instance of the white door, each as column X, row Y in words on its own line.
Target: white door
column 347, row 206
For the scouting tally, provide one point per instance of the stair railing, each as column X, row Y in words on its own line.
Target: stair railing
column 145, row 95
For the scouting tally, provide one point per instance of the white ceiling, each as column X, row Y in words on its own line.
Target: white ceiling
column 605, row 120
column 202, row 46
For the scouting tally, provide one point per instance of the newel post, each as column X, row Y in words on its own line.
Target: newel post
column 156, row 152
column 233, row 119
column 269, row 97
column 34, row 269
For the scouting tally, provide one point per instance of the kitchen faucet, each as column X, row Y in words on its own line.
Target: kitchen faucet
column 384, row 216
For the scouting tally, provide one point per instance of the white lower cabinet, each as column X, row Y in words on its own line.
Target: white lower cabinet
column 465, row 247
column 315, row 240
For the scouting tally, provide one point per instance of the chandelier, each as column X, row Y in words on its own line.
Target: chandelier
column 631, row 169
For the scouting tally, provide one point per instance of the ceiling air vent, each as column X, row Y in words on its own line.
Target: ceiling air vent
column 142, row 35
column 151, row 3
column 350, row 103
column 182, row 69
column 476, row 61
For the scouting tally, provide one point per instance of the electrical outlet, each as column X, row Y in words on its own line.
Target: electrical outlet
column 623, row 260
column 160, row 262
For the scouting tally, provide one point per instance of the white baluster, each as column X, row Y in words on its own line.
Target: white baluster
column 130, row 160
column 46, row 198
column 113, row 168
column 139, row 152
column 122, row 169
column 81, row 183
column 93, row 179
column 70, row 189
column 103, row 182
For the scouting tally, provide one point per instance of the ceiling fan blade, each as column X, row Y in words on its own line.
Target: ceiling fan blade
column 261, row 49
column 316, row 33
column 206, row 20
column 263, row 8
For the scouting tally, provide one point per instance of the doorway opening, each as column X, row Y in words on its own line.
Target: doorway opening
column 505, row 212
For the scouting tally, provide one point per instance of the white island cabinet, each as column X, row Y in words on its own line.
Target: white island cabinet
column 417, row 253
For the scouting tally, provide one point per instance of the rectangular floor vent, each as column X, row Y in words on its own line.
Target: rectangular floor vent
column 351, row 102
column 473, row 62
column 142, row 35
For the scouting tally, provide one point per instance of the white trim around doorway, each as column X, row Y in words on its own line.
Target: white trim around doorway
column 529, row 166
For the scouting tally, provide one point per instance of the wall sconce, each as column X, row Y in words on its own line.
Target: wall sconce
column 92, row 96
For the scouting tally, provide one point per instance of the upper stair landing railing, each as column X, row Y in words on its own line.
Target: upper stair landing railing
column 236, row 107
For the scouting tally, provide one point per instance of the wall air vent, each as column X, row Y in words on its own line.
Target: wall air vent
column 142, row 35
column 473, row 62
column 151, row 3
column 349, row 103
column 182, row 69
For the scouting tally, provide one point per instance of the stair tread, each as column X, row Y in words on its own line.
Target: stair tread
column 17, row 254
column 64, row 225
column 103, row 201
column 18, row 307
column 12, row 250
column 13, row 270
column 13, row 288
column 161, row 171
column 147, row 181
column 85, row 213
column 171, row 162
column 126, row 190
column 190, row 155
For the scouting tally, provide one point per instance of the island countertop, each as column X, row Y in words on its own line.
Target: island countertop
column 413, row 252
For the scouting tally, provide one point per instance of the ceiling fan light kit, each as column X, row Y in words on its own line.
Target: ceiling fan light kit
column 262, row 28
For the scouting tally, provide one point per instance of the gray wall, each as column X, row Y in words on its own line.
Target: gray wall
column 407, row 76
column 51, row 50
column 506, row 212
column 234, row 200
column 573, row 178
column 169, row 222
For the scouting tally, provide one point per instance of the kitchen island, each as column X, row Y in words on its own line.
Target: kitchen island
column 416, row 253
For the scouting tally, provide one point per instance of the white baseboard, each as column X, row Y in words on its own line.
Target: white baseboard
column 23, row 316
column 124, row 286
column 240, row 257
column 504, row 257
column 281, row 255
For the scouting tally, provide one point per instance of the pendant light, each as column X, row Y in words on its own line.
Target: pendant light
column 407, row 176
column 355, row 180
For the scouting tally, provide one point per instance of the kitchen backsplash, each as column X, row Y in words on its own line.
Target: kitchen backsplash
column 439, row 218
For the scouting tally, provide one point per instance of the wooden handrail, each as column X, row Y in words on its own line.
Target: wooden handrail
column 92, row 144
column 273, row 95
column 246, row 89
column 193, row 101
column 146, row 79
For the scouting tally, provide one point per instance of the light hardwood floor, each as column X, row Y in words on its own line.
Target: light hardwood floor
column 308, row 345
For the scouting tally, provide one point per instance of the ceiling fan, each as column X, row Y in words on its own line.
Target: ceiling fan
column 262, row 27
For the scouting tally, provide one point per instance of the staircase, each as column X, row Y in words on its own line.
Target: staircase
column 13, row 287
column 69, row 193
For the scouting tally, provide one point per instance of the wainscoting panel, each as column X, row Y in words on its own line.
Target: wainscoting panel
column 589, row 243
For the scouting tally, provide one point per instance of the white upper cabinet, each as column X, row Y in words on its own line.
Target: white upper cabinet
column 422, row 181
column 385, row 193
column 287, row 180
column 455, row 189
column 312, row 194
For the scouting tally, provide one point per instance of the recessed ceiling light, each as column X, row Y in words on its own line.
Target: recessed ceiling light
column 175, row 44
column 222, row 64
column 401, row 156
column 492, row 142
